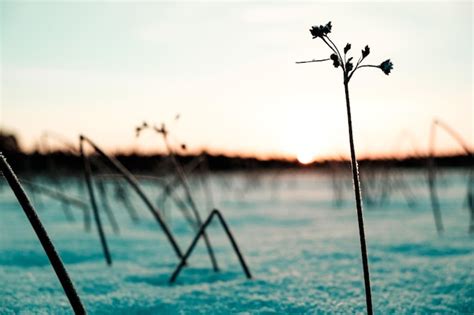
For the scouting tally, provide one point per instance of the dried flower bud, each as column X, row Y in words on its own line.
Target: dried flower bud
column 365, row 51
column 327, row 28
column 346, row 49
column 320, row 31
column 335, row 60
column 349, row 66
column 386, row 66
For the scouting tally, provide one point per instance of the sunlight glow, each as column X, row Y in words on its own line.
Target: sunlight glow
column 305, row 157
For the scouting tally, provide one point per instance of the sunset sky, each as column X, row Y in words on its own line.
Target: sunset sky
column 229, row 70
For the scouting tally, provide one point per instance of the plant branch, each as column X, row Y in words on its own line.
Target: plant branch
column 363, row 66
column 337, row 52
column 43, row 237
column 314, row 60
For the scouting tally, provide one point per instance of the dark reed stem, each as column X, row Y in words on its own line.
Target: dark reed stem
column 337, row 187
column 95, row 210
column 360, row 218
column 184, row 209
column 200, row 233
column 187, row 190
column 432, row 183
column 105, row 204
column 115, row 164
column 432, row 172
column 407, row 192
column 455, row 135
column 122, row 195
column 68, row 212
column 470, row 201
column 204, row 179
column 43, row 237
column 43, row 145
column 60, row 139
column 175, row 181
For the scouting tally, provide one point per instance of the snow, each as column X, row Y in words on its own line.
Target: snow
column 302, row 250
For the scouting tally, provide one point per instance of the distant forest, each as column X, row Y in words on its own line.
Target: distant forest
column 66, row 162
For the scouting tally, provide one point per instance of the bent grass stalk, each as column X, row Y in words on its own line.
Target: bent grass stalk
column 201, row 233
column 175, row 181
column 132, row 181
column 205, row 182
column 43, row 237
column 95, row 210
column 182, row 177
column 105, row 205
column 100, row 183
column 348, row 70
column 169, row 188
column 432, row 183
column 121, row 194
column 432, row 172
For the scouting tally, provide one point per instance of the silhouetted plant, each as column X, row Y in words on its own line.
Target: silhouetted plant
column 201, row 232
column 348, row 70
column 114, row 164
column 43, row 237
column 163, row 131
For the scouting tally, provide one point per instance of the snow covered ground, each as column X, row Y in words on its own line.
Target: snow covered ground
column 302, row 249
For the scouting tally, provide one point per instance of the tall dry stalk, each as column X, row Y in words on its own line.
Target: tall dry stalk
column 348, row 70
column 95, row 210
column 43, row 237
column 133, row 182
column 432, row 173
column 184, row 182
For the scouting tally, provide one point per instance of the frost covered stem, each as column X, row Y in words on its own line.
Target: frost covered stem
column 360, row 218
column 43, row 237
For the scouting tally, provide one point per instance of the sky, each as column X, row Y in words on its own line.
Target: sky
column 228, row 69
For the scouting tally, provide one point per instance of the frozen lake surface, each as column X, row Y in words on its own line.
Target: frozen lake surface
column 302, row 249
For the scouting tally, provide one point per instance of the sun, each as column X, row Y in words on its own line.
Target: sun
column 305, row 157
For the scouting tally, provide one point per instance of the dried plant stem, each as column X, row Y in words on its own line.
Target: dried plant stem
column 200, row 233
column 122, row 196
column 314, row 60
column 360, row 217
column 432, row 183
column 95, row 210
column 470, row 201
column 116, row 165
column 105, row 204
column 205, row 181
column 43, row 237
column 432, row 168
column 187, row 190
column 455, row 135
column 168, row 191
